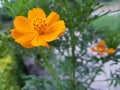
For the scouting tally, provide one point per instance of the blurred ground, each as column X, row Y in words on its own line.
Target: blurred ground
column 111, row 20
column 103, row 85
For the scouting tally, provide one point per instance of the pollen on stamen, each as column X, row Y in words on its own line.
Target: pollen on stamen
column 37, row 25
column 45, row 24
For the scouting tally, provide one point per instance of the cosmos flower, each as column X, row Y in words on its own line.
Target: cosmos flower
column 101, row 48
column 37, row 29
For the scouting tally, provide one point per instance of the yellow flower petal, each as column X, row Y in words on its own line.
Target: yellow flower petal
column 54, row 31
column 38, row 41
column 25, row 38
column 36, row 12
column 101, row 53
column 101, row 48
column 111, row 51
column 27, row 45
column 52, row 18
column 22, row 24
column 101, row 43
column 37, row 30
column 15, row 33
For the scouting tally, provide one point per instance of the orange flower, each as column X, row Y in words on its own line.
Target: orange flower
column 101, row 48
column 37, row 29
column 111, row 50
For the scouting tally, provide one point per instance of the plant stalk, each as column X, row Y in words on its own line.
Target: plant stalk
column 50, row 69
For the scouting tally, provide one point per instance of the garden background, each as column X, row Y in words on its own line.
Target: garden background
column 76, row 68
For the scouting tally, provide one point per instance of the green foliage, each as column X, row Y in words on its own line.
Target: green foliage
column 9, row 73
column 115, row 78
column 38, row 83
column 111, row 23
column 11, row 67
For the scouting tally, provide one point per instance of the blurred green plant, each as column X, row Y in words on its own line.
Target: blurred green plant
column 112, row 34
column 9, row 74
column 38, row 83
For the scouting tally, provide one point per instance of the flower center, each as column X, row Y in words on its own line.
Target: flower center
column 39, row 24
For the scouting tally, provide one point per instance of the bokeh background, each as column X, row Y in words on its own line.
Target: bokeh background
column 87, row 21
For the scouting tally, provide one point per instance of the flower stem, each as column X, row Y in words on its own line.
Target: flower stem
column 74, row 63
column 0, row 81
column 73, row 60
column 50, row 69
